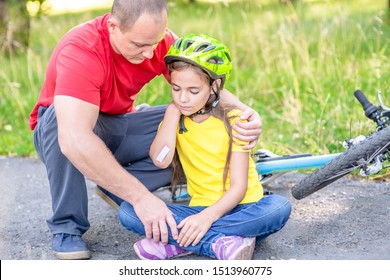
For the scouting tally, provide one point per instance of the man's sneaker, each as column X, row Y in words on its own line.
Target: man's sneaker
column 234, row 248
column 70, row 247
column 147, row 249
column 108, row 197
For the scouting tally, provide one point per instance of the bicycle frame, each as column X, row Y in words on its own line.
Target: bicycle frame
column 272, row 166
column 288, row 163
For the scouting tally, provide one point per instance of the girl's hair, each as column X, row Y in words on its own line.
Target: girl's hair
column 221, row 111
column 128, row 11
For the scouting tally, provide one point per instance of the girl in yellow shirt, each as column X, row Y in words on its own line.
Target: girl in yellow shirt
column 227, row 212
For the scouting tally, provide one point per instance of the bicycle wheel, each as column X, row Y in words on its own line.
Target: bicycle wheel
column 345, row 163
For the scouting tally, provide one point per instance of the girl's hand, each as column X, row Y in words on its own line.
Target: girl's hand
column 193, row 228
column 249, row 131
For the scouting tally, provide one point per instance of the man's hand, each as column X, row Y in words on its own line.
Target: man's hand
column 245, row 131
column 249, row 131
column 155, row 216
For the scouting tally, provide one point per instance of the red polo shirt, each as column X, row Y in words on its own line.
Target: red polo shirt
column 85, row 66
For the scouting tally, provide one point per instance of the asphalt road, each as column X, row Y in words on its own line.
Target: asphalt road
column 347, row 220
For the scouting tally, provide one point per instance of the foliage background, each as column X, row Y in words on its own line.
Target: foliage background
column 297, row 65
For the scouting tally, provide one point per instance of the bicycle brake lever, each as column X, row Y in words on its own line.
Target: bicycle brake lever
column 383, row 106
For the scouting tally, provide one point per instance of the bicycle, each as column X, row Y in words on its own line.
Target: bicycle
column 367, row 153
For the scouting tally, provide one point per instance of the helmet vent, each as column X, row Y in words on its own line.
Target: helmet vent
column 228, row 56
column 178, row 43
column 215, row 60
column 187, row 44
column 205, row 47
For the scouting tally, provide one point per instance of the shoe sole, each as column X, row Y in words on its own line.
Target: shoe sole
column 245, row 252
column 139, row 255
column 73, row 255
column 107, row 199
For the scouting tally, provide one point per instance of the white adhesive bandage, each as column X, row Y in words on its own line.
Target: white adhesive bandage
column 163, row 154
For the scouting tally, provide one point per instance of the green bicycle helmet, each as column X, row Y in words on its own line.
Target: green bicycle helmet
column 203, row 51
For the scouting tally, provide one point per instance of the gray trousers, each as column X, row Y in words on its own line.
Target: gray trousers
column 128, row 137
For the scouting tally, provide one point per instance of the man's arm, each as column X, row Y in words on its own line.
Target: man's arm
column 246, row 131
column 87, row 152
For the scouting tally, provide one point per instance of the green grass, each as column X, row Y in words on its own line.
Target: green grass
column 297, row 66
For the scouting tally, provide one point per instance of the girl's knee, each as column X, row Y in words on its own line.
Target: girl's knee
column 284, row 210
column 281, row 207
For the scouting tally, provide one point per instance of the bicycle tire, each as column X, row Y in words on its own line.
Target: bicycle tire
column 343, row 164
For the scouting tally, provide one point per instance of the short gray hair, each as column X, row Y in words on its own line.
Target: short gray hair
column 128, row 11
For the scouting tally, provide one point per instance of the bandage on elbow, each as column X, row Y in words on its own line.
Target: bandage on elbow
column 161, row 156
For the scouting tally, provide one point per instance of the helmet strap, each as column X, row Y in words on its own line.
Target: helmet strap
column 182, row 126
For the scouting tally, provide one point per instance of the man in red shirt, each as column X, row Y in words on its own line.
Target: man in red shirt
column 85, row 123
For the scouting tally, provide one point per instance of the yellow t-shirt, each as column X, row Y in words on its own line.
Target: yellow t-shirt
column 202, row 151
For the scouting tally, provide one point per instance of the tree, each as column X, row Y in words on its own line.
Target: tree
column 14, row 25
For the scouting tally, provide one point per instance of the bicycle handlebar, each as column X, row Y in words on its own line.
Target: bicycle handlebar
column 372, row 112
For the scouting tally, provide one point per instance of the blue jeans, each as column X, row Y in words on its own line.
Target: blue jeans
column 259, row 220
column 128, row 137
